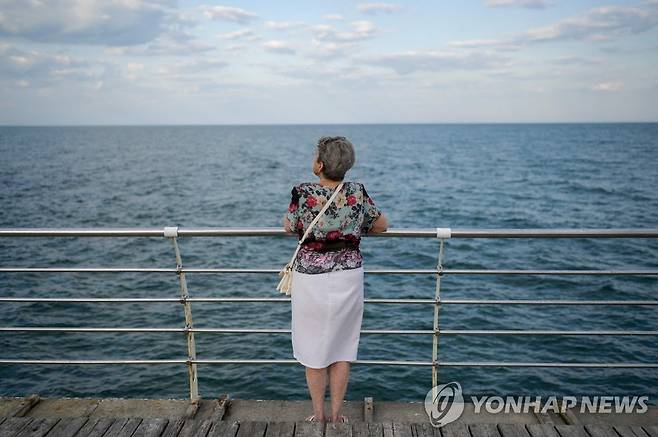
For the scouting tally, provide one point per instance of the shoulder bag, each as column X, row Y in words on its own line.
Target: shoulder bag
column 286, row 272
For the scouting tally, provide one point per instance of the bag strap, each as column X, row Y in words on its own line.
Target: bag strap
column 315, row 220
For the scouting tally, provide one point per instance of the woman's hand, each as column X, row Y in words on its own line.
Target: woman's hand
column 286, row 225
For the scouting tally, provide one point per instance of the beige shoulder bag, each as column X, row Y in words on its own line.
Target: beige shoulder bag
column 286, row 272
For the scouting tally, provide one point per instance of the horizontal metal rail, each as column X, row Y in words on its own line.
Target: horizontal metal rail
column 363, row 331
column 287, row 300
column 648, row 272
column 368, row 362
column 192, row 299
column 278, row 231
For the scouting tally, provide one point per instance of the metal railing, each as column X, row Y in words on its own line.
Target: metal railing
column 441, row 234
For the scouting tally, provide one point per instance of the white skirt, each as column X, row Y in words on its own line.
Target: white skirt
column 327, row 310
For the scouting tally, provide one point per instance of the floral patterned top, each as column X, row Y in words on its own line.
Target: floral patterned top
column 350, row 215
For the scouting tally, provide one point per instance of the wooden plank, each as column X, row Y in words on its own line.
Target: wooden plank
column 190, row 428
column 541, row 430
column 13, row 425
column 95, row 427
column 455, row 430
column 131, row 425
column 630, row 431
column 221, row 406
column 150, row 427
column 279, row 429
column 254, row 428
column 338, row 429
column 375, row 429
column 203, row 428
column 401, row 430
column 115, row 427
column 221, row 428
column 652, row 430
column 483, row 430
column 173, row 428
column 571, row 430
column 424, row 429
column 67, row 427
column 309, row 429
column 512, row 430
column 601, row 431
column 360, row 429
column 387, row 428
column 25, row 405
column 38, row 427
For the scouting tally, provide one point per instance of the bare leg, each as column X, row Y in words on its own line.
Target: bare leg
column 339, row 374
column 317, row 385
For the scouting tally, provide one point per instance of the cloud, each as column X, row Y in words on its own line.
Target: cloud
column 378, row 8
column 410, row 61
column 603, row 23
column 486, row 43
column 598, row 24
column 242, row 34
column 608, row 86
column 39, row 68
column 360, row 30
column 279, row 47
column 336, row 17
column 530, row 4
column 96, row 22
column 171, row 44
column 228, row 13
column 284, row 25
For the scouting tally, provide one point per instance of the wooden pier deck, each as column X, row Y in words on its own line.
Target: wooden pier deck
column 162, row 427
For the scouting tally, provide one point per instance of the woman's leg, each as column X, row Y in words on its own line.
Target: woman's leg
column 317, row 385
column 339, row 374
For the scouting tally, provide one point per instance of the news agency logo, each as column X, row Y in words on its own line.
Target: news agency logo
column 444, row 403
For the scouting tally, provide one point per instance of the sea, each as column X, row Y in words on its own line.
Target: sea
column 423, row 176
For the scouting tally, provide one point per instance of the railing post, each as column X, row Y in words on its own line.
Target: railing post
column 442, row 234
column 172, row 233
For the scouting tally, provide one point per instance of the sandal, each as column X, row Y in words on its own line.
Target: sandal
column 343, row 419
column 311, row 418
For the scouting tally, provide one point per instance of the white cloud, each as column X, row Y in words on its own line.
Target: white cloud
column 228, row 13
column 530, row 4
column 278, row 47
column 243, row 34
column 410, row 61
column 89, row 22
column 377, row 8
column 360, row 30
column 284, row 25
column 336, row 17
column 598, row 24
column 608, row 86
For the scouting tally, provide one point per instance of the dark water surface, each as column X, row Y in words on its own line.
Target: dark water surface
column 422, row 176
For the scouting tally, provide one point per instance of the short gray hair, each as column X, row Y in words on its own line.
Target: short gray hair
column 337, row 155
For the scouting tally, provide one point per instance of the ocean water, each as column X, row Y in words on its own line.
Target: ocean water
column 422, row 176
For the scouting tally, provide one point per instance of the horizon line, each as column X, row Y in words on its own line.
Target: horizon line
column 328, row 124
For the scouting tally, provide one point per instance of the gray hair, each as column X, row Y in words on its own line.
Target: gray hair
column 337, row 155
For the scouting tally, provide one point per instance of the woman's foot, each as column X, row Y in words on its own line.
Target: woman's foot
column 312, row 418
column 339, row 419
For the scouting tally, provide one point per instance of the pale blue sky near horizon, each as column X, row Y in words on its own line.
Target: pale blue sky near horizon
column 102, row 62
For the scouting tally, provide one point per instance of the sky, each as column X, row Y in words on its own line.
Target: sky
column 116, row 62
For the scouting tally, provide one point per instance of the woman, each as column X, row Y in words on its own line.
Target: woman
column 327, row 280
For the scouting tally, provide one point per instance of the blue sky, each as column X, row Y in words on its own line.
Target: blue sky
column 266, row 62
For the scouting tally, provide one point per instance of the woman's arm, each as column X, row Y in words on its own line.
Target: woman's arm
column 380, row 225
